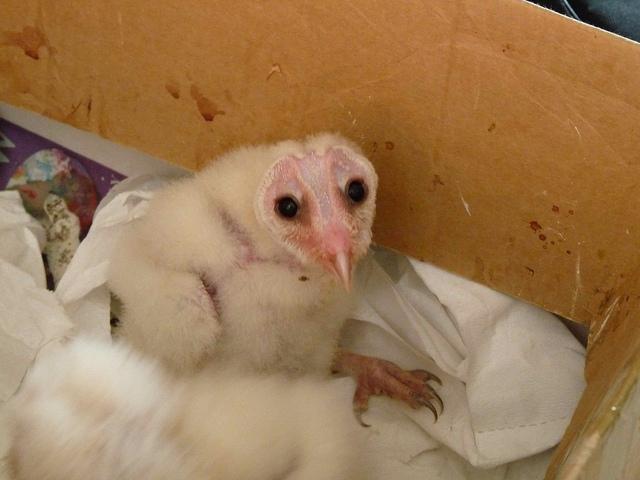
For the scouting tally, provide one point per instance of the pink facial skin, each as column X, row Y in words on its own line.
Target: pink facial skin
column 329, row 228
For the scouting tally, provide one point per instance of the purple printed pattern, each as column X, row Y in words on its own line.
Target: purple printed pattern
column 36, row 167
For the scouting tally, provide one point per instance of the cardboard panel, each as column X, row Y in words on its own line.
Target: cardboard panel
column 612, row 373
column 504, row 134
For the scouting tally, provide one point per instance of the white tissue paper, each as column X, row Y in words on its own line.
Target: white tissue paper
column 22, row 238
column 512, row 373
column 30, row 316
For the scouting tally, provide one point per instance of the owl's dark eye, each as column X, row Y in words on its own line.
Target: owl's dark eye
column 287, row 207
column 356, row 191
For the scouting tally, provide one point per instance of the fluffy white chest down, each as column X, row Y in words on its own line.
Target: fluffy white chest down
column 275, row 317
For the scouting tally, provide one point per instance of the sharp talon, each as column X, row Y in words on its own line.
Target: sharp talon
column 358, row 415
column 428, row 376
column 379, row 377
column 437, row 397
column 427, row 404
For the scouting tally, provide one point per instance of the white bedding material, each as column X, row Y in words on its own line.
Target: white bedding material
column 30, row 316
column 22, row 238
column 512, row 373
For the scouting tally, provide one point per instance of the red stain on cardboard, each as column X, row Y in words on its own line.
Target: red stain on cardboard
column 173, row 89
column 30, row 39
column 206, row 107
column 535, row 226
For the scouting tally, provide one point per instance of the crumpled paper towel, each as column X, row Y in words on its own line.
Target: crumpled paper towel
column 512, row 373
column 22, row 238
column 30, row 316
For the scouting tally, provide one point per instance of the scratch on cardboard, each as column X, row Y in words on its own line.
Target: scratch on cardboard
column 607, row 315
column 557, row 232
column 578, row 132
column 544, row 108
column 578, row 286
column 451, row 61
column 606, row 141
column 120, row 29
column 354, row 120
column 374, row 26
column 464, row 202
column 532, row 97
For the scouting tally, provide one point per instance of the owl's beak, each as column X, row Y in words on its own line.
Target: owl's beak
column 341, row 266
column 337, row 258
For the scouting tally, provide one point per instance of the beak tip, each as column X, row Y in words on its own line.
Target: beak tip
column 342, row 269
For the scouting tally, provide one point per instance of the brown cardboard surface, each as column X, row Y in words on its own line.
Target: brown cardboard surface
column 613, row 368
column 505, row 136
column 492, row 123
